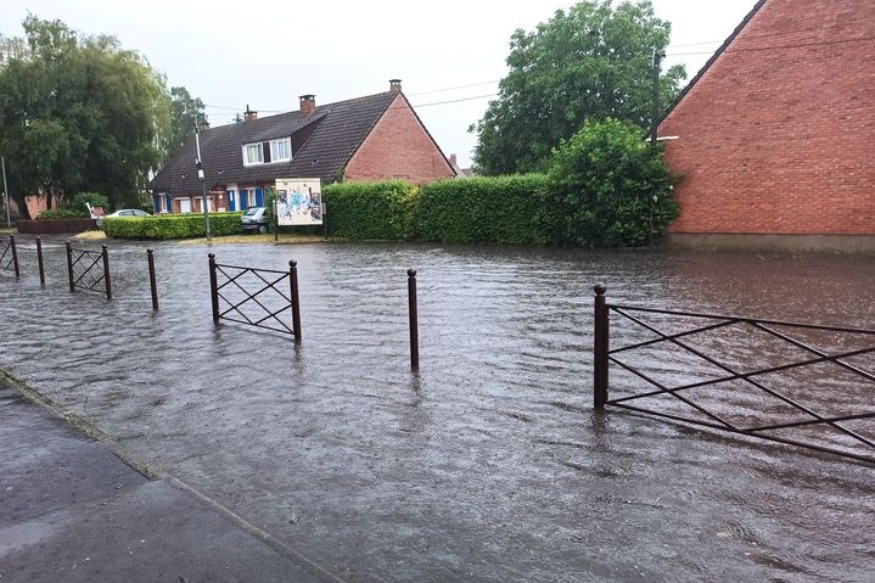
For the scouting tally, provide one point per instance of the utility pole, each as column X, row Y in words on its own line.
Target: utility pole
column 202, row 178
column 656, row 64
column 5, row 192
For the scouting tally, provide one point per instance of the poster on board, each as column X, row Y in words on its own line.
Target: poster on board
column 298, row 201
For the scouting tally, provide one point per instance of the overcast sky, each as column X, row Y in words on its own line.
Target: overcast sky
column 266, row 54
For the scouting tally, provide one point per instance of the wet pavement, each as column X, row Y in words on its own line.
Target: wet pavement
column 73, row 511
column 489, row 465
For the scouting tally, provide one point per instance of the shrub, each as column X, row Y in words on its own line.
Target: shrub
column 171, row 226
column 371, row 210
column 482, row 209
column 607, row 180
column 77, row 203
column 62, row 213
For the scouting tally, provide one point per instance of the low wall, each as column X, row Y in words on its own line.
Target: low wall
column 791, row 243
column 52, row 226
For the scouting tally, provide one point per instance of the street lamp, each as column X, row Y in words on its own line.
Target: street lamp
column 656, row 63
column 202, row 178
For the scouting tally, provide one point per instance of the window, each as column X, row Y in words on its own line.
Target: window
column 281, row 150
column 253, row 154
column 266, row 152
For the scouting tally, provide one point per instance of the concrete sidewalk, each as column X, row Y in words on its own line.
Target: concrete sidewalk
column 71, row 510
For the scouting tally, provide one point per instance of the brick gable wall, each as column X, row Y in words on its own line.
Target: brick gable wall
column 778, row 136
column 398, row 147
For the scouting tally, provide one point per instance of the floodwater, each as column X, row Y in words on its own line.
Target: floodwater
column 490, row 465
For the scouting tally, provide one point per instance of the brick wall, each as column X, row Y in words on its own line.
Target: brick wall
column 778, row 136
column 398, row 147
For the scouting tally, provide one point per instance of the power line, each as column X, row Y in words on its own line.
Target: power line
column 454, row 88
column 457, row 100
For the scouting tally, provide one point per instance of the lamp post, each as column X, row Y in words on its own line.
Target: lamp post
column 656, row 63
column 202, row 178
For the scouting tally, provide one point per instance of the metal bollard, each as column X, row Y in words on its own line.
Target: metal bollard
column 70, row 265
column 296, row 309
column 214, row 288
column 152, row 284
column 14, row 256
column 414, row 319
column 106, row 272
column 600, row 349
column 39, row 258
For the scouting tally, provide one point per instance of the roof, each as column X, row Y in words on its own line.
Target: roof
column 713, row 59
column 322, row 144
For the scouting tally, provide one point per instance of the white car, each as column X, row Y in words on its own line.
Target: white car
column 125, row 213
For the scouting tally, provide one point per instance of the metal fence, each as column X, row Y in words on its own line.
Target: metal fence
column 738, row 393
column 256, row 297
column 89, row 270
column 9, row 255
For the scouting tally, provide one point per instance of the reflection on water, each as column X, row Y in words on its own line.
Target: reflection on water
column 488, row 466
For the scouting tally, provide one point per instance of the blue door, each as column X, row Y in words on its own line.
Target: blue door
column 156, row 203
column 232, row 201
column 243, row 201
column 259, row 197
column 168, row 200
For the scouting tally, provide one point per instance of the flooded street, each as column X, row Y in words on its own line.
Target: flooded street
column 490, row 464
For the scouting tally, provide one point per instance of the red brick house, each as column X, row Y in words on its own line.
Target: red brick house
column 776, row 134
column 376, row 137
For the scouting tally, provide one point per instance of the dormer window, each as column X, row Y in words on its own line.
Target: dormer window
column 267, row 152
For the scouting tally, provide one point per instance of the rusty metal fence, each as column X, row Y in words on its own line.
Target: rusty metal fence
column 9, row 255
column 89, row 270
column 256, row 297
column 767, row 379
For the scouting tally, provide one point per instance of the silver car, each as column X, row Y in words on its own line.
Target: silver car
column 255, row 219
column 126, row 213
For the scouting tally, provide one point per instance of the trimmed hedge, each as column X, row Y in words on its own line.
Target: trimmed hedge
column 371, row 210
column 43, row 226
column 171, row 226
column 482, row 210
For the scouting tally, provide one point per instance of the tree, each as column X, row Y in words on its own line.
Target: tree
column 79, row 113
column 607, row 185
column 185, row 114
column 589, row 63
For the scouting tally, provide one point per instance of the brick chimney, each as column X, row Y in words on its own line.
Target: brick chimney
column 308, row 104
column 453, row 160
column 249, row 115
column 395, row 85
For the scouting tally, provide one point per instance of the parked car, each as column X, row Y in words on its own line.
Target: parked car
column 124, row 213
column 255, row 219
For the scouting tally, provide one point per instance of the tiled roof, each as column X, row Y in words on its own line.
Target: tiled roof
column 336, row 132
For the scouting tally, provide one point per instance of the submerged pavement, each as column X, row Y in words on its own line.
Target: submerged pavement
column 490, row 465
column 74, row 511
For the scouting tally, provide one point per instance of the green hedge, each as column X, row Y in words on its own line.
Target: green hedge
column 171, row 226
column 371, row 210
column 482, row 210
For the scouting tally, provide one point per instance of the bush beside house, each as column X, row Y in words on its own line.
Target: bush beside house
column 482, row 210
column 171, row 226
column 371, row 210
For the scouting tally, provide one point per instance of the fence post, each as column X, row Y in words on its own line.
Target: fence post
column 39, row 258
column 106, row 272
column 70, row 265
column 296, row 308
column 414, row 319
column 14, row 256
column 214, row 288
column 600, row 348
column 152, row 284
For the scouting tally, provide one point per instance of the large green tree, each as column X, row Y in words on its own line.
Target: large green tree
column 186, row 112
column 590, row 62
column 78, row 113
